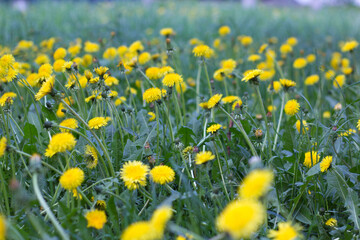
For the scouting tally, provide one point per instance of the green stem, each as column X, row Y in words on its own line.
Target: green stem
column 242, row 130
column 198, row 89
column 280, row 118
column 266, row 121
column 45, row 206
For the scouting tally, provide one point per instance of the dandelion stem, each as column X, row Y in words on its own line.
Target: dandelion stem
column 242, row 130
column 47, row 208
column 198, row 89
column 266, row 121
column 280, row 118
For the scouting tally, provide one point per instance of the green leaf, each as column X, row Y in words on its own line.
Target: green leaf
column 351, row 199
column 314, row 170
column 186, row 135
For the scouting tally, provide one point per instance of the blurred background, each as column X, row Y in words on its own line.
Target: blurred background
column 248, row 3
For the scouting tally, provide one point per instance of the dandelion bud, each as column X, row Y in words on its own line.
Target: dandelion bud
column 14, row 185
column 48, row 105
column 254, row 160
column 259, row 117
column 258, row 133
column 334, row 128
column 48, row 125
column 195, row 149
column 338, row 107
column 322, row 211
column 35, row 162
column 112, row 34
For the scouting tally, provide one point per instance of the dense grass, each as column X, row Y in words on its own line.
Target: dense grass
column 300, row 194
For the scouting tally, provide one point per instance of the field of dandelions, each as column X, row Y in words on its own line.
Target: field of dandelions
column 179, row 121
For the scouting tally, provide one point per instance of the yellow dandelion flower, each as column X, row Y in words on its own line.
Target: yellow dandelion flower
column 203, row 157
column 204, row 105
column 60, row 53
column 180, row 87
column 276, row 86
column 349, row 46
column 246, row 41
column 159, row 220
column 202, row 51
column 221, row 73
column 7, row 98
column 339, row 81
column 153, row 73
column 144, row 58
column 325, row 163
column 136, row 47
column 3, row 144
column 326, row 114
column 331, row 222
column 2, row 227
column 311, row 80
column 271, row 108
column 101, row 70
column 311, row 58
column 42, row 59
column 237, row 104
column 152, row 116
column 251, row 75
column 110, row 53
column 241, row 218
column 72, row 178
column 98, row 122
column 300, row 63
column 285, row 49
column 254, row 58
column 96, row 219
column 60, row 142
column 110, row 81
column 330, row 74
column 214, row 101
column 162, row 174
column 224, row 30
column 7, row 61
column 69, row 123
column 292, row 107
column 311, row 158
column 167, row 32
column 286, row 231
column 304, row 126
column 286, row 83
column 229, row 99
column 134, row 173
column 91, row 47
column 120, row 100
column 213, row 128
column 139, row 231
column 292, row 41
column 171, row 79
column 46, row 88
column 166, row 70
column 152, row 95
column 228, row 64
column 91, row 156
column 100, row 205
column 256, row 184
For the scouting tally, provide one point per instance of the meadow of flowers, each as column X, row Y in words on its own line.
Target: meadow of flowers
column 165, row 132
